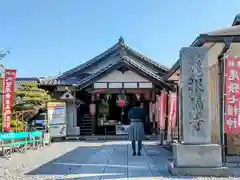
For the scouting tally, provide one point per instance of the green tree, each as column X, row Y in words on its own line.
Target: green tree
column 30, row 100
column 30, row 96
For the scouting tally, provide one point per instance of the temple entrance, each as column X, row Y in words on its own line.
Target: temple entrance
column 83, row 106
column 110, row 114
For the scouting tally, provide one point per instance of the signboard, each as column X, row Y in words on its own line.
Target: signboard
column 121, row 129
column 232, row 95
column 8, row 93
column 57, row 119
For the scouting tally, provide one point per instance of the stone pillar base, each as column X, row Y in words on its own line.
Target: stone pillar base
column 73, row 132
column 190, row 171
column 198, row 160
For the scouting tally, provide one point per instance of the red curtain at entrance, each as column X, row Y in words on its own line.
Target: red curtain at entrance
column 162, row 107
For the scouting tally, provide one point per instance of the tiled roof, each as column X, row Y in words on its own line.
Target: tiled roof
column 117, row 52
column 144, row 69
column 56, row 80
column 20, row 81
column 122, row 60
column 149, row 60
column 90, row 62
column 119, row 45
column 53, row 80
column 233, row 30
column 236, row 20
column 89, row 78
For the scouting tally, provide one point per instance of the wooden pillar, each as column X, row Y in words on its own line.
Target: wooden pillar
column 178, row 115
column 150, row 114
column 74, row 111
column 153, row 100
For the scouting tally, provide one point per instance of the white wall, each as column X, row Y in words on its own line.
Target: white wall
column 234, row 49
column 117, row 76
column 214, row 50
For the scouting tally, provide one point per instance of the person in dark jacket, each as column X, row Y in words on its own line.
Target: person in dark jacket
column 137, row 116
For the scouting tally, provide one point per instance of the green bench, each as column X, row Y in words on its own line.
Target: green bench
column 11, row 142
column 19, row 141
column 35, row 139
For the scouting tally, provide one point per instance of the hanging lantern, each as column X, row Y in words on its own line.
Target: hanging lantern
column 97, row 96
column 92, row 109
column 122, row 100
column 138, row 96
column 107, row 96
column 121, row 103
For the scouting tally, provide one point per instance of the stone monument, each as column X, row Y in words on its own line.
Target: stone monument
column 73, row 131
column 196, row 155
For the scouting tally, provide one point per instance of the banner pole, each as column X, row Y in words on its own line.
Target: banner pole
column 221, row 85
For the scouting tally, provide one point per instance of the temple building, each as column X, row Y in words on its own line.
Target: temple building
column 100, row 92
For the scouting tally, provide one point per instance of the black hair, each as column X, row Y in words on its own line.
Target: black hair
column 137, row 103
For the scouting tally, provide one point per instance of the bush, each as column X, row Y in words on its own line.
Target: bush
column 16, row 126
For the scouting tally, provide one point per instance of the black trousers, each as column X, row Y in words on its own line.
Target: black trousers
column 134, row 146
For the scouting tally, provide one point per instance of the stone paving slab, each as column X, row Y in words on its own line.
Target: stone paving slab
column 90, row 161
column 116, row 168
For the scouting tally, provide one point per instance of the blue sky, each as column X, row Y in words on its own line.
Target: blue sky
column 50, row 35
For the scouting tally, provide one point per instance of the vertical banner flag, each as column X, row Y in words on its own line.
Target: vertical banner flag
column 173, row 110
column 8, row 95
column 158, row 106
column 172, row 103
column 162, row 100
column 232, row 95
column 169, row 124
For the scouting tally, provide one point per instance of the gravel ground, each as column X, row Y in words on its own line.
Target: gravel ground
column 89, row 161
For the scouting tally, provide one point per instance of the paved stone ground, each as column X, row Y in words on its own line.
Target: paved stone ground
column 89, row 161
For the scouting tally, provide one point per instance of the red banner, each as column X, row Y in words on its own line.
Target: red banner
column 171, row 114
column 158, row 104
column 232, row 95
column 8, row 95
column 172, row 109
column 162, row 105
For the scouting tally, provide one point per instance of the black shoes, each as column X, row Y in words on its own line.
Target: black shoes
column 139, row 154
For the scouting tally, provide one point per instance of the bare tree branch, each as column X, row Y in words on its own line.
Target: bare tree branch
column 4, row 53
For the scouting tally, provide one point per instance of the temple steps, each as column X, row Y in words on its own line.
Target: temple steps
column 86, row 125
